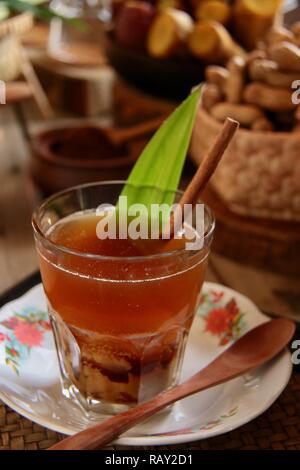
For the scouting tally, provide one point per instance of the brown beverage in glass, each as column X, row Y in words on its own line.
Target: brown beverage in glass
column 121, row 310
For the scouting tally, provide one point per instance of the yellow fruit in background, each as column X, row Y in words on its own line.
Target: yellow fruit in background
column 213, row 10
column 252, row 19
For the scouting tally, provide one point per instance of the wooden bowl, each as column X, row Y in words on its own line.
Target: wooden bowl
column 170, row 78
column 65, row 157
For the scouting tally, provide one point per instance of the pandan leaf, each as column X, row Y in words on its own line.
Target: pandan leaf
column 161, row 163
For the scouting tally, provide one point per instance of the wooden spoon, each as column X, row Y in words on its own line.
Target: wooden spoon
column 120, row 136
column 252, row 350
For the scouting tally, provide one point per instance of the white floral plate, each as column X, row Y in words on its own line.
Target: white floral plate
column 29, row 375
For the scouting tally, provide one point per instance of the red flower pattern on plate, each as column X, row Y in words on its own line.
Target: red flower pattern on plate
column 11, row 323
column 218, row 321
column 45, row 325
column 2, row 337
column 13, row 352
column 217, row 296
column 223, row 320
column 28, row 334
column 27, row 331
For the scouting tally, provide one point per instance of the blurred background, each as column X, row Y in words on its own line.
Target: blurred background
column 89, row 81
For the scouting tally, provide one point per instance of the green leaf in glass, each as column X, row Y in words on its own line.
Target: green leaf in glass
column 155, row 176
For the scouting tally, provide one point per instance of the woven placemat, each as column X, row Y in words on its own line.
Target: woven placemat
column 278, row 428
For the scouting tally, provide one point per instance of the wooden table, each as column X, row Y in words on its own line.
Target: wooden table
column 271, row 291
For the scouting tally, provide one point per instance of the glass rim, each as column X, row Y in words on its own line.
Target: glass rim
column 60, row 248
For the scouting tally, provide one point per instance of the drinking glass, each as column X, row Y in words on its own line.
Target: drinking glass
column 120, row 322
column 81, row 43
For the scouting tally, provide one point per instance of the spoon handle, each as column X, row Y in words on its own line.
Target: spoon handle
column 101, row 434
column 250, row 351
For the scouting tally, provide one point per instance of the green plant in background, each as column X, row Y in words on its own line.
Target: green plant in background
column 37, row 7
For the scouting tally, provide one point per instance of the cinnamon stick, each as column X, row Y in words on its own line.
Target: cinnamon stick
column 205, row 170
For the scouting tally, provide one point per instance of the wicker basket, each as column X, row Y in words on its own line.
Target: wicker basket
column 10, row 56
column 260, row 171
column 16, row 25
column 10, row 59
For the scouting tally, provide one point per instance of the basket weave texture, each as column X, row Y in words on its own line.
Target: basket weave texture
column 16, row 25
column 259, row 174
column 278, row 428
